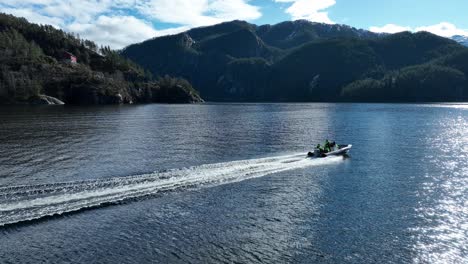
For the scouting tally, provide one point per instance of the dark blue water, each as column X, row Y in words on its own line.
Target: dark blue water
column 230, row 183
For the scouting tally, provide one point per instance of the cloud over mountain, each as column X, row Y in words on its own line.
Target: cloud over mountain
column 312, row 10
column 121, row 22
column 443, row 29
column 389, row 28
column 118, row 23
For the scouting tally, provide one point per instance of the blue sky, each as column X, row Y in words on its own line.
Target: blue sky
column 121, row 22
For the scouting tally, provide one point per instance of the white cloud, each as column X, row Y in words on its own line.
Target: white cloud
column 233, row 9
column 177, row 11
column 443, row 29
column 122, row 22
column 117, row 31
column 389, row 28
column 83, row 11
column 34, row 16
column 19, row 3
column 312, row 10
column 198, row 12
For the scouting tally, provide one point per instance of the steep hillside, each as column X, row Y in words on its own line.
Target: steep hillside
column 442, row 79
column 299, row 61
column 206, row 55
column 291, row 34
column 37, row 60
column 229, row 44
column 318, row 71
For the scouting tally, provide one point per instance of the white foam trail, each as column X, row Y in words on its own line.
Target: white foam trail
column 29, row 202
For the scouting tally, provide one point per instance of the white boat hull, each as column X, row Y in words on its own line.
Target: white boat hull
column 342, row 150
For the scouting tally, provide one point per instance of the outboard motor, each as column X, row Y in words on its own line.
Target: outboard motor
column 317, row 153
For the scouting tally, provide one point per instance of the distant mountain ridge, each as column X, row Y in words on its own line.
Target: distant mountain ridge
column 461, row 39
column 306, row 61
column 291, row 34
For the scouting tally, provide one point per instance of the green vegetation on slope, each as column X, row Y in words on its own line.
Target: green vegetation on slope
column 304, row 61
column 421, row 83
column 33, row 62
column 303, row 74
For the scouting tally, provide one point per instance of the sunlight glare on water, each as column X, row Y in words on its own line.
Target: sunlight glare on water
column 445, row 237
column 230, row 183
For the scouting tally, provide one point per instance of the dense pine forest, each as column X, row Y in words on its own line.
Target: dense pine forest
column 38, row 60
column 306, row 61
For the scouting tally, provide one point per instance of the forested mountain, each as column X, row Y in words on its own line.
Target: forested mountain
column 232, row 61
column 305, row 61
column 38, row 60
column 291, row 34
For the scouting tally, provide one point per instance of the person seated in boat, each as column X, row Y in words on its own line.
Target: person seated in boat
column 327, row 146
column 319, row 148
column 333, row 146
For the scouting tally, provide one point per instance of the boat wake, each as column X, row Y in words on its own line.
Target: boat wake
column 30, row 202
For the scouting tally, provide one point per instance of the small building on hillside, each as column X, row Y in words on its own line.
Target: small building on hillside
column 69, row 58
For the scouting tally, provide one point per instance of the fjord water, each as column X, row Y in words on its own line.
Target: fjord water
column 230, row 183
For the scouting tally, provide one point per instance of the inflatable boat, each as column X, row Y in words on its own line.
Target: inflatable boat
column 339, row 150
